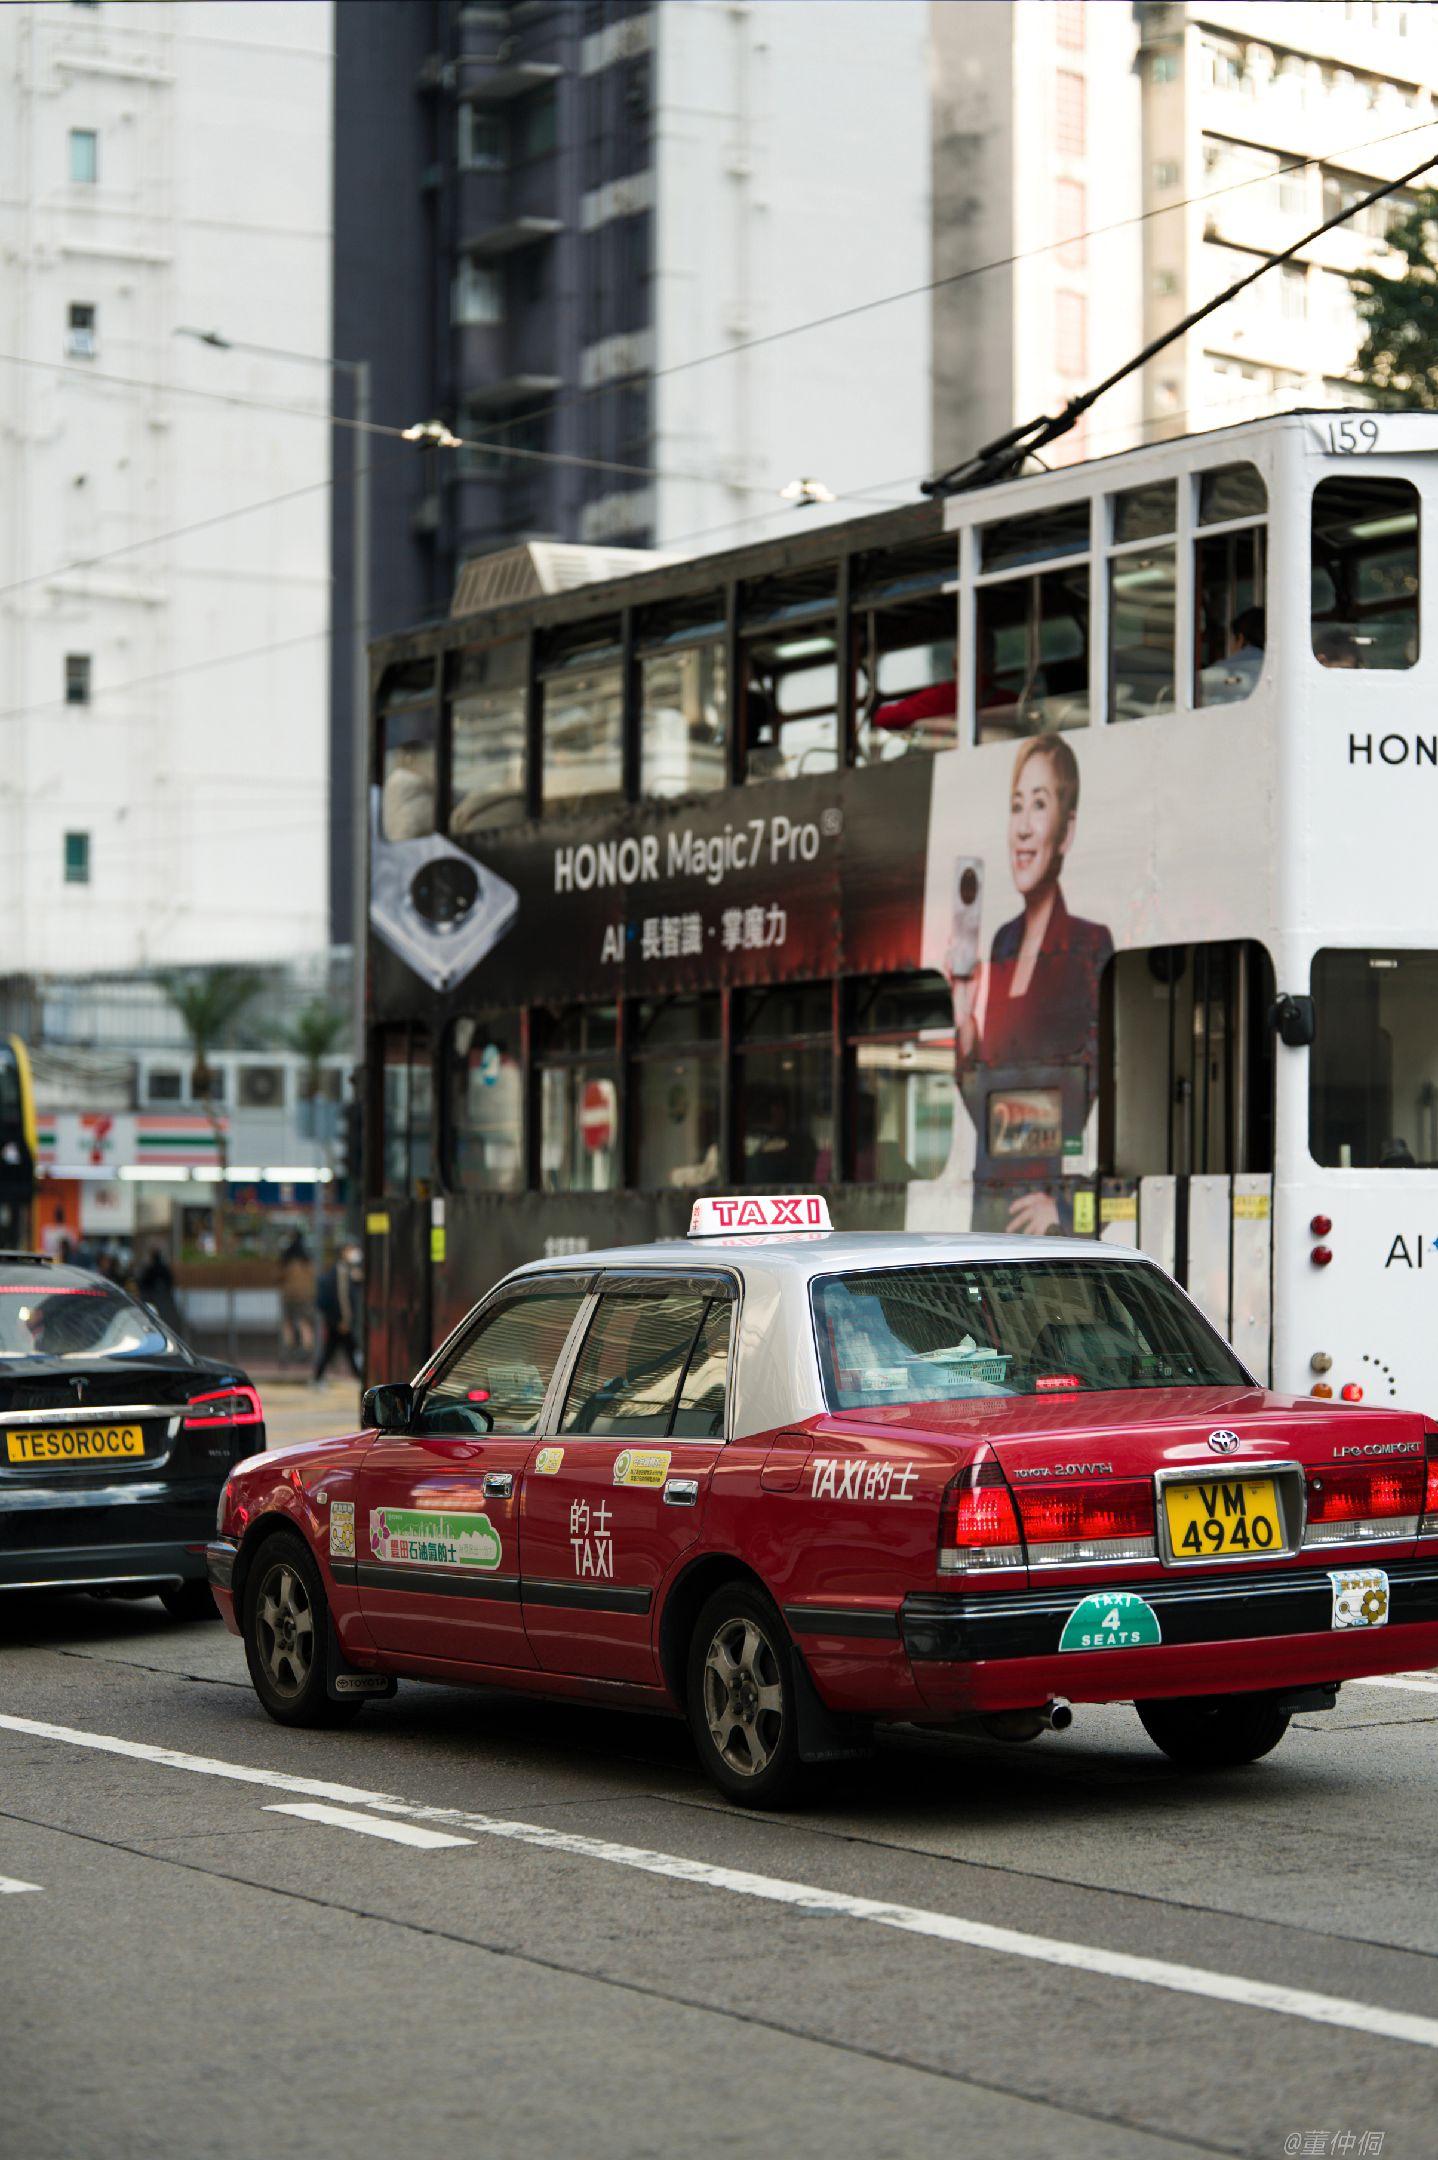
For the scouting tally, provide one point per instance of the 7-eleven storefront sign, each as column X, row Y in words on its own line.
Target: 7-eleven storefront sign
column 101, row 1143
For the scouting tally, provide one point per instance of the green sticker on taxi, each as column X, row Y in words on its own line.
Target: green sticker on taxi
column 1120, row 1621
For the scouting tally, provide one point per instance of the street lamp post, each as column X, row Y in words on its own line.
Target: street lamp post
column 359, row 373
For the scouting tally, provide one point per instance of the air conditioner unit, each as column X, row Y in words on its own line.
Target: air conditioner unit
column 262, row 1087
column 80, row 344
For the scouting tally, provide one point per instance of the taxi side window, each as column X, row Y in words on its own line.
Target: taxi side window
column 700, row 1412
column 636, row 1355
column 495, row 1382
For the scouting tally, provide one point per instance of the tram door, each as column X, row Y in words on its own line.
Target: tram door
column 1186, row 1125
column 397, row 1216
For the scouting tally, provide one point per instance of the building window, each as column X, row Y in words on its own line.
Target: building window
column 80, row 335
column 1165, row 68
column 1071, row 223
column 1071, row 327
column 164, row 1084
column 1069, row 25
column 481, row 141
column 1295, row 292
column 77, row 858
column 539, row 128
column 478, row 294
column 1165, row 173
column 84, row 156
column 77, row 678
column 1069, row 114
column 1165, row 283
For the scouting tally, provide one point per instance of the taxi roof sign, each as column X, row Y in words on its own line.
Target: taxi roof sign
column 772, row 1214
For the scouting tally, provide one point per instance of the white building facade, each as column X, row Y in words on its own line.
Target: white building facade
column 164, row 614
column 1101, row 170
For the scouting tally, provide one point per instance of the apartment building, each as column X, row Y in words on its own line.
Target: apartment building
column 164, row 507
column 1101, row 170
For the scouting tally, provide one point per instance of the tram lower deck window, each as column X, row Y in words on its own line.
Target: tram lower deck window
column 784, row 1085
column 576, row 1062
column 1365, row 572
column 484, row 1105
column 901, row 1047
column 674, row 1090
column 1373, row 1070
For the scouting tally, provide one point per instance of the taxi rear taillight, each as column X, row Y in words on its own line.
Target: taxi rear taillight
column 1067, row 1523
column 1429, row 1525
column 227, row 1407
column 1356, row 1501
column 978, row 1527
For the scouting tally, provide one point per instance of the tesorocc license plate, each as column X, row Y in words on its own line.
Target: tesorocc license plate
column 75, row 1443
column 1212, row 1518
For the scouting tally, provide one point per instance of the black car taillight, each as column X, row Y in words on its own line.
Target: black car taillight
column 227, row 1407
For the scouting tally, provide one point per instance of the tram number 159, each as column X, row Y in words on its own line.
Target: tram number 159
column 1348, row 437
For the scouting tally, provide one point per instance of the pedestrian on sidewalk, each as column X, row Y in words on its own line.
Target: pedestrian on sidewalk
column 336, row 1311
column 297, row 1300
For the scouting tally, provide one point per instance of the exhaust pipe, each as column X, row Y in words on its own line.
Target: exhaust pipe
column 1019, row 1725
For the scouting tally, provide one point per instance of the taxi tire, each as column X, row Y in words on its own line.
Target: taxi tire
column 312, row 1704
column 189, row 1601
column 1214, row 1732
column 781, row 1779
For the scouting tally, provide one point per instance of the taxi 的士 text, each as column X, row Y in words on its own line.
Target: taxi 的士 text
column 793, row 1485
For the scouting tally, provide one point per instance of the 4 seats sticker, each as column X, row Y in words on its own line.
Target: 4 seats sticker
column 410, row 1538
column 1119, row 1621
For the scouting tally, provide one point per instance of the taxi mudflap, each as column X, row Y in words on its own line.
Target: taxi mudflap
column 791, row 1485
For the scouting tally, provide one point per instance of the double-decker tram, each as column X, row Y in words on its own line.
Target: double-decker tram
column 1055, row 858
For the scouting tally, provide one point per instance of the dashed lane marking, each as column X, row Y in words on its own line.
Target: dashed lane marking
column 9, row 1884
column 398, row 1833
column 1236, row 1989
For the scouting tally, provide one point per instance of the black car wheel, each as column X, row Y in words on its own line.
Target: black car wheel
column 741, row 1698
column 1214, row 1732
column 189, row 1601
column 286, row 1633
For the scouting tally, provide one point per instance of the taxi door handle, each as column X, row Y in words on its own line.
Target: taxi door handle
column 498, row 1484
column 681, row 1491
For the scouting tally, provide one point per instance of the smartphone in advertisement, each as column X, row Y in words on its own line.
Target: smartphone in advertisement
column 961, row 956
column 435, row 907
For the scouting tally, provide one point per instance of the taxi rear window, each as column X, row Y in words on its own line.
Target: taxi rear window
column 945, row 1334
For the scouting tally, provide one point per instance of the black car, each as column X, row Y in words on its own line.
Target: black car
column 115, row 1440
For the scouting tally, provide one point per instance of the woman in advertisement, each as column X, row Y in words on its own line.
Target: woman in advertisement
column 1026, row 1025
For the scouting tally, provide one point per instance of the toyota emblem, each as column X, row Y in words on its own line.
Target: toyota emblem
column 1223, row 1442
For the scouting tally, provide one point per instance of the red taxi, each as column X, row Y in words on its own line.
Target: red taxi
column 792, row 1484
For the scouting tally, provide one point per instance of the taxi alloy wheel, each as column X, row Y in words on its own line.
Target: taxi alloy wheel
column 741, row 1696
column 1214, row 1732
column 287, row 1635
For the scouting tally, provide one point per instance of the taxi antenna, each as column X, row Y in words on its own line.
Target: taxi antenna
column 1005, row 457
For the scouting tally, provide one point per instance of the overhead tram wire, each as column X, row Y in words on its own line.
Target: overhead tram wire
column 1007, row 454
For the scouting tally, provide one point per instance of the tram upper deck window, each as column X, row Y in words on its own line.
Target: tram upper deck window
column 675, row 1091
column 783, row 1085
column 1230, row 584
column 901, row 1046
column 487, row 726
column 1373, row 1071
column 575, row 1057
column 1365, row 572
column 583, row 706
column 905, row 636
column 790, row 681
column 484, row 1105
column 683, row 701
column 1033, row 627
column 408, row 733
column 1142, row 605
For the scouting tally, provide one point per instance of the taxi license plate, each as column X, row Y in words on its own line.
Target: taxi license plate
column 1215, row 1518
column 75, row 1444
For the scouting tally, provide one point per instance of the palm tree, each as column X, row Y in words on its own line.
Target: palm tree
column 209, row 1001
column 314, row 1034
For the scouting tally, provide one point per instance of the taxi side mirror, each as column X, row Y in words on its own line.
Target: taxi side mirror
column 390, row 1408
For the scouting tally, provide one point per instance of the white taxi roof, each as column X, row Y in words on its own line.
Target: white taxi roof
column 776, row 1365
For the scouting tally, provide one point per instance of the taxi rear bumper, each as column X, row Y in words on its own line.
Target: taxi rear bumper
column 1000, row 1649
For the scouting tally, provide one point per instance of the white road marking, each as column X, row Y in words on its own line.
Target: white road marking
column 10, row 1883
column 1423, row 1684
column 398, row 1833
column 1234, row 1988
